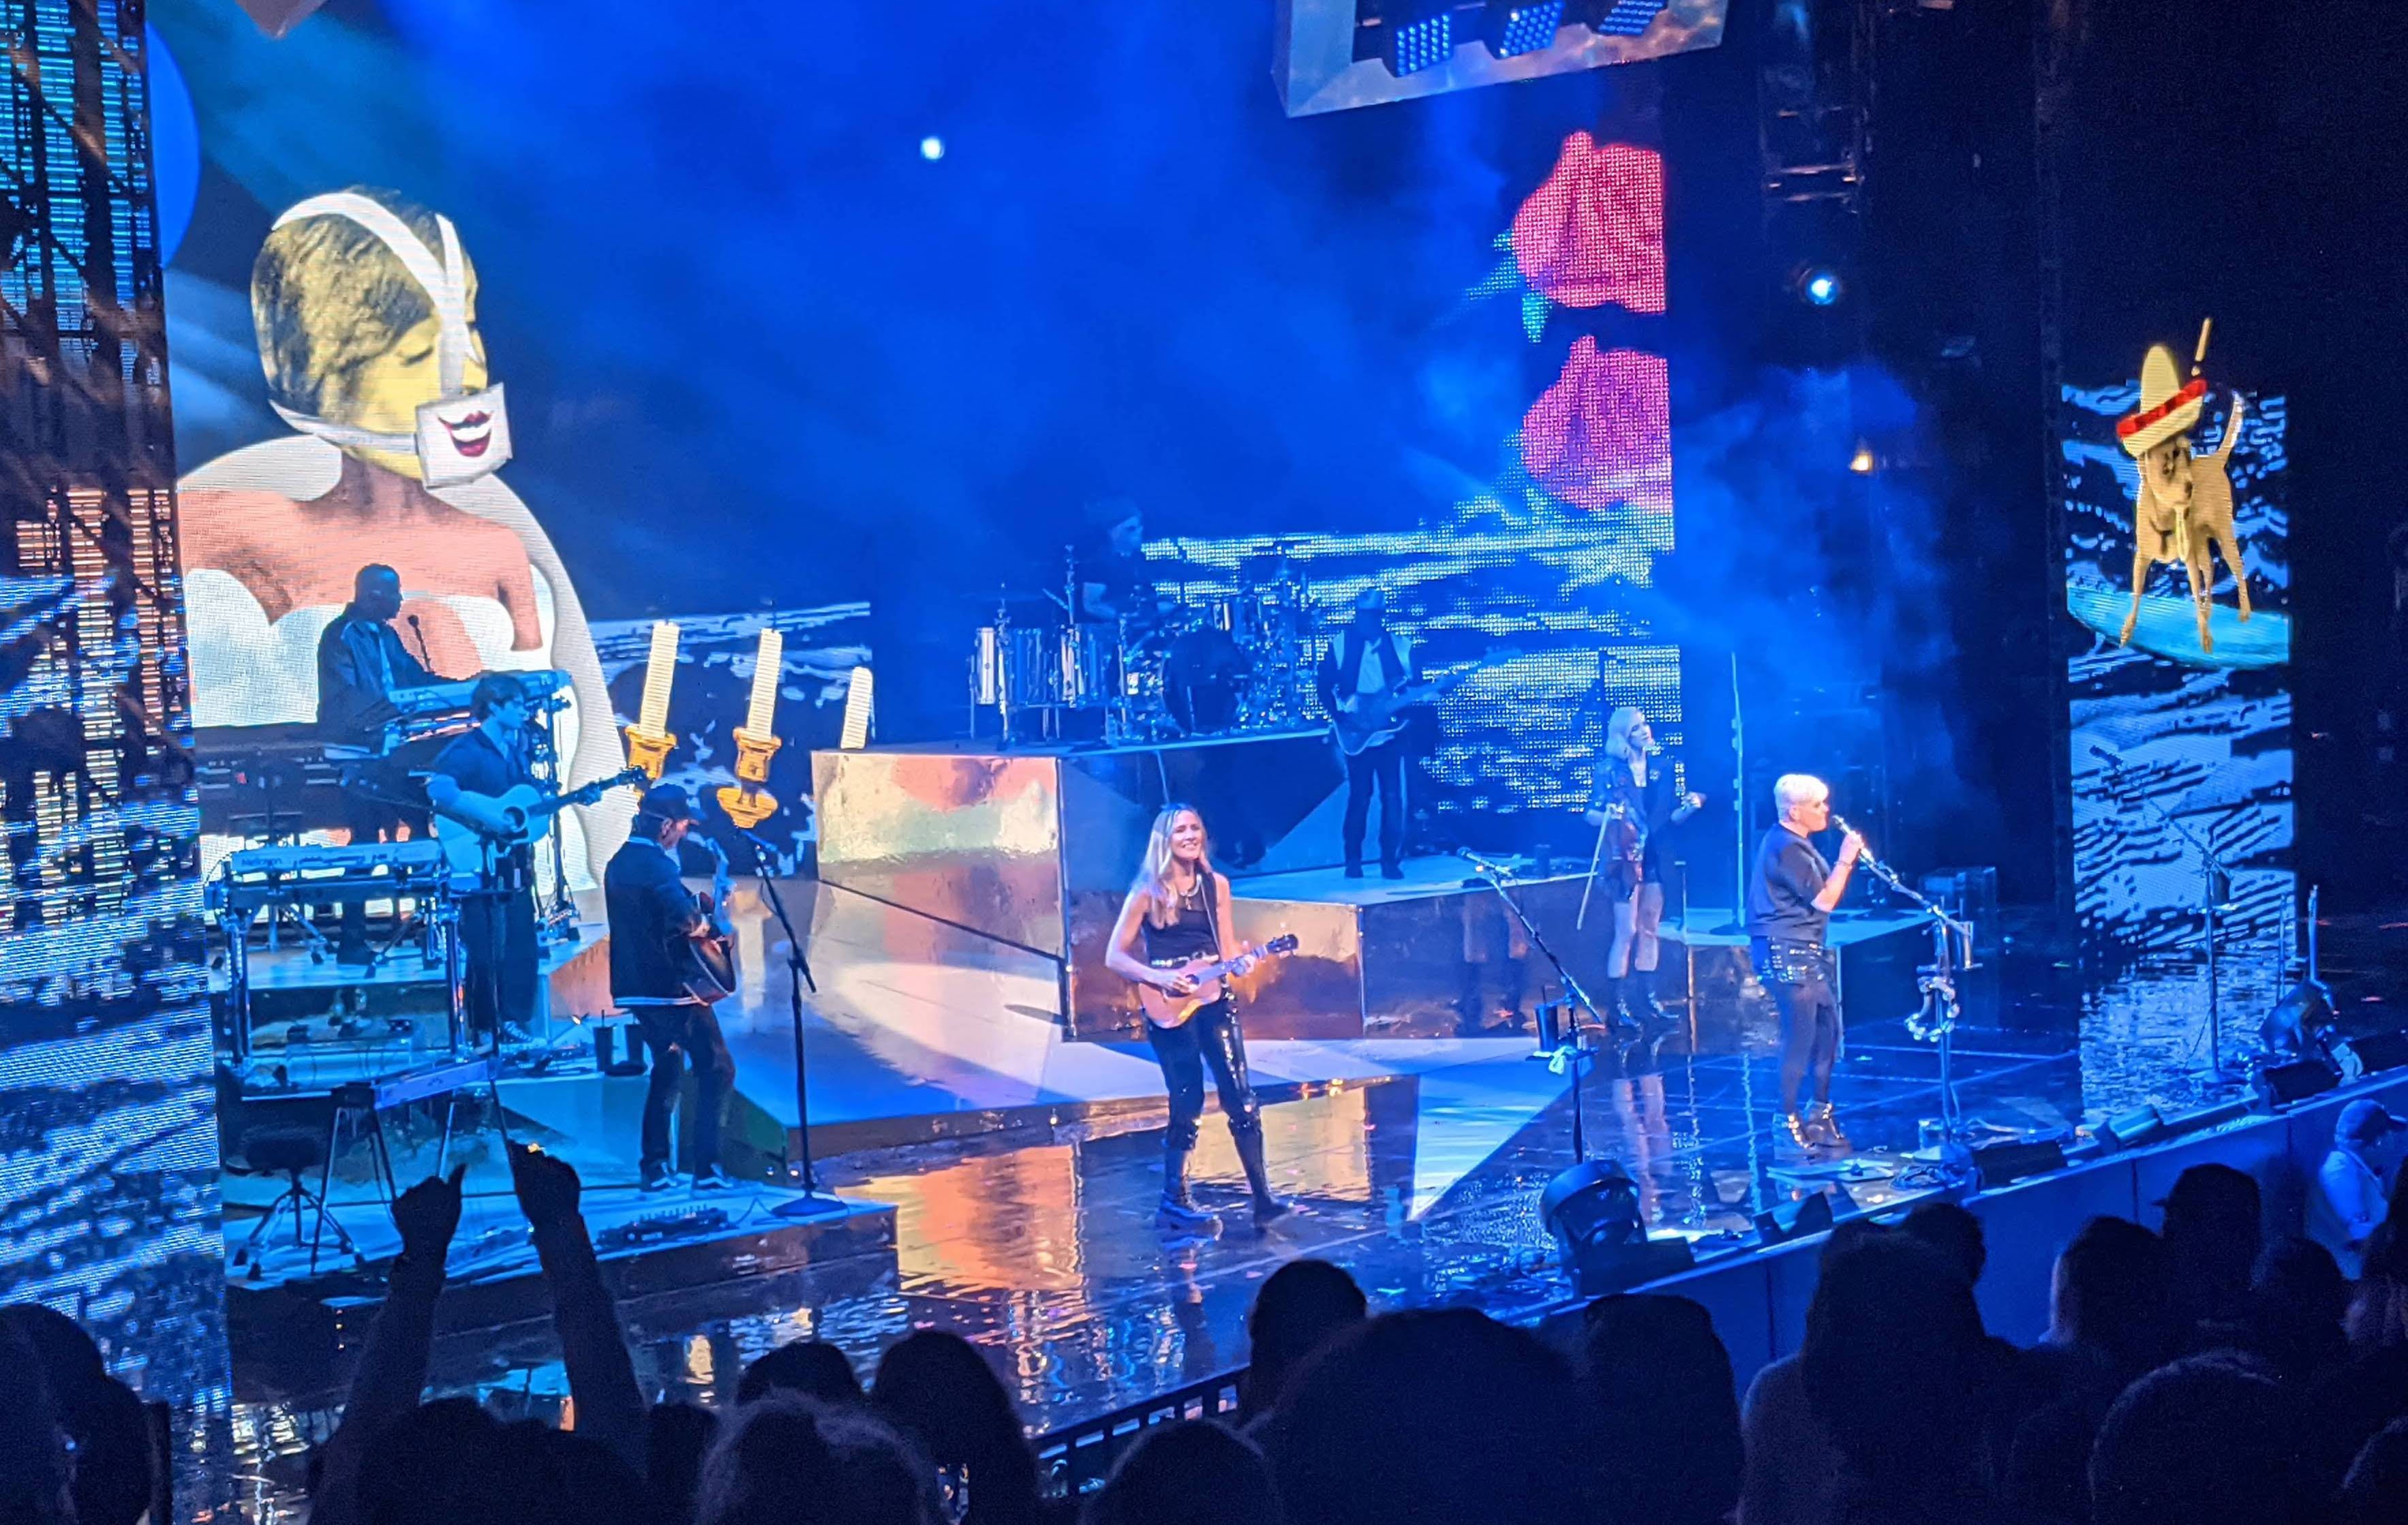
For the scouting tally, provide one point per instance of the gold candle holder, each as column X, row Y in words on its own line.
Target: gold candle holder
column 747, row 802
column 650, row 750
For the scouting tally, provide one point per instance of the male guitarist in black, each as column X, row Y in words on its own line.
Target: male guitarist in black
column 497, row 924
column 1360, row 671
column 653, row 918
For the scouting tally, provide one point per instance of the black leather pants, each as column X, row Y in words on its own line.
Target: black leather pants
column 1210, row 1038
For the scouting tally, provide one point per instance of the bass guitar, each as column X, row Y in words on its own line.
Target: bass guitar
column 706, row 960
column 1164, row 1009
column 473, row 824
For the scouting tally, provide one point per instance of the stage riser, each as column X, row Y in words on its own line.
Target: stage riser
column 1038, row 850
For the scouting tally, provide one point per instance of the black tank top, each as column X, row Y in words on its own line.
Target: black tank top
column 1188, row 934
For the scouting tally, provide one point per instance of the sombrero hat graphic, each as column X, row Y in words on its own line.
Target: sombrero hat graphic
column 2168, row 408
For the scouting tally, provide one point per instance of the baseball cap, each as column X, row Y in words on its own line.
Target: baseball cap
column 2366, row 1118
column 667, row 802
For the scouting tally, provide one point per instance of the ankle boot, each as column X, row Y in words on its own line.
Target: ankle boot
column 1258, row 1180
column 1176, row 1210
column 1648, row 1008
column 1615, row 1011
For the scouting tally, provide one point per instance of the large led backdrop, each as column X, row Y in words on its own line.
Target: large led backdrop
column 2178, row 573
column 731, row 363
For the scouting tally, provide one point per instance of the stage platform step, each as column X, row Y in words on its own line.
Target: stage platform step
column 649, row 1245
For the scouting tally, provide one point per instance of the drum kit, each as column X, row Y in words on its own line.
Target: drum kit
column 1203, row 662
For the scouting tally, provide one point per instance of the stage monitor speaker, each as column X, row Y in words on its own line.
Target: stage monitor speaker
column 2280, row 1085
column 2132, row 1129
column 2003, row 1163
column 2379, row 1051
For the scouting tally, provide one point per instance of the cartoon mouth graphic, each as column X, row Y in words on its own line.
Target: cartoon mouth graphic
column 470, row 435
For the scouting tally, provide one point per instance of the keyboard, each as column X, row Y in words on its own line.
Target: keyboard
column 257, row 877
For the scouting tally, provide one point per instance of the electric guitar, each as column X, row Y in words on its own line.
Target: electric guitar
column 473, row 824
column 707, row 963
column 1377, row 718
column 1164, row 1009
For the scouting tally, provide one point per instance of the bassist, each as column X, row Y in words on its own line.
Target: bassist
column 655, row 926
column 497, row 928
column 1363, row 669
column 1178, row 908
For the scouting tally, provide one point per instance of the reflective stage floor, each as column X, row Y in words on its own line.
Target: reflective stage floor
column 1418, row 1166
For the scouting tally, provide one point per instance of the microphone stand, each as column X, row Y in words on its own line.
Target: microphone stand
column 813, row 1203
column 1571, row 1051
column 2212, row 873
column 1952, row 952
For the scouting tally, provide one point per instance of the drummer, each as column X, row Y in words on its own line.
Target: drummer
column 1113, row 583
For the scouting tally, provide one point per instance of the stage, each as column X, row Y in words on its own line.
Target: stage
column 1020, row 1166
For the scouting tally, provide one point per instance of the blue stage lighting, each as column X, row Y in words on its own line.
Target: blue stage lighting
column 1417, row 41
column 1628, row 17
column 1820, row 288
column 1514, row 29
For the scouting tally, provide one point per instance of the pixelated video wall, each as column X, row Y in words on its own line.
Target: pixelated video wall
column 1520, row 593
column 2180, row 723
column 108, row 1151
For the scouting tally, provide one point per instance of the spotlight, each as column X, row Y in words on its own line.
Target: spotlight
column 1511, row 29
column 1600, row 1240
column 932, row 147
column 1627, row 17
column 1819, row 286
column 1419, row 35
column 1864, row 462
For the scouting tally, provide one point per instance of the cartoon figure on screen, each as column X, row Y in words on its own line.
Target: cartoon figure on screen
column 365, row 304
column 2185, row 505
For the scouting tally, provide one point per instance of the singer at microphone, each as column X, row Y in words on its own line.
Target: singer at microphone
column 1791, row 892
column 361, row 662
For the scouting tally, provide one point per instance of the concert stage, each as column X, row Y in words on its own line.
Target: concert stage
column 1021, row 1164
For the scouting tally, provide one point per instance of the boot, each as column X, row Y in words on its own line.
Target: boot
column 1267, row 1208
column 1176, row 1210
column 1801, row 1133
column 1647, row 1007
column 1616, row 1014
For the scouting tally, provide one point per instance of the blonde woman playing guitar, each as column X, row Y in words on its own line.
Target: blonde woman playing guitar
column 1177, row 913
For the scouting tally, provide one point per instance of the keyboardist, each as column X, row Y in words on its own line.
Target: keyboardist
column 360, row 660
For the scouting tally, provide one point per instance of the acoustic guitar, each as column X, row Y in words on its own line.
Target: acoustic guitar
column 707, row 963
column 473, row 823
column 1164, row 1009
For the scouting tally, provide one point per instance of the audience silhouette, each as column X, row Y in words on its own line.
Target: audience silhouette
column 2184, row 1378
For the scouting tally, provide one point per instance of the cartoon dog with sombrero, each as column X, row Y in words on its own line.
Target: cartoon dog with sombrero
column 2186, row 501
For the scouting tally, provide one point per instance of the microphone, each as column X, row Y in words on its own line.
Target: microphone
column 425, row 661
column 1484, row 864
column 1863, row 852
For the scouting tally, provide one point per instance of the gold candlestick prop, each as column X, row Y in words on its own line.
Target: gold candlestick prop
column 649, row 741
column 650, row 752
column 747, row 802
